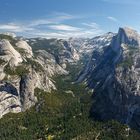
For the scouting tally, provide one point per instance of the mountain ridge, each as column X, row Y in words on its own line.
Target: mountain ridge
column 114, row 77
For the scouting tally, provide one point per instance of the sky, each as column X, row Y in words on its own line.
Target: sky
column 67, row 18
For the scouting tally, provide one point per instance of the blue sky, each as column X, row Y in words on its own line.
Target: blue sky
column 67, row 18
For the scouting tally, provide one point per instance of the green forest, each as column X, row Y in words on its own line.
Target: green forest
column 62, row 115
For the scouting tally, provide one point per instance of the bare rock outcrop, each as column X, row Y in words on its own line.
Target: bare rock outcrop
column 114, row 75
column 25, row 47
column 9, row 54
column 21, row 72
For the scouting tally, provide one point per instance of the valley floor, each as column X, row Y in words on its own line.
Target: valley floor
column 62, row 115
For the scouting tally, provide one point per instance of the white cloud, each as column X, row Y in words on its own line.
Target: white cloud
column 40, row 22
column 112, row 19
column 63, row 16
column 66, row 35
column 87, row 31
column 14, row 27
column 54, row 19
column 63, row 27
column 53, row 27
column 91, row 25
column 55, row 31
column 8, row 27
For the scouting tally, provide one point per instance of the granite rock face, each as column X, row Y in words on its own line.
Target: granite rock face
column 94, row 48
column 9, row 54
column 62, row 51
column 25, row 47
column 26, row 90
column 9, row 100
column 114, row 75
column 21, row 72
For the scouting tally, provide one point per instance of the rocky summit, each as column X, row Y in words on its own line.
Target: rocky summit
column 22, row 70
column 114, row 77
